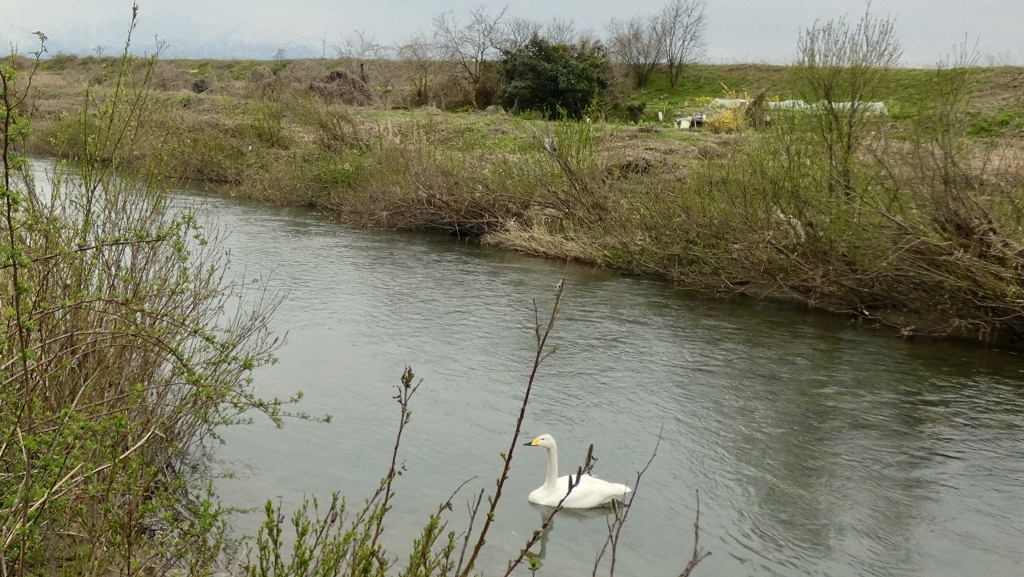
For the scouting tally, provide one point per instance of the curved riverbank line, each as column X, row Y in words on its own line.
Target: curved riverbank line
column 909, row 219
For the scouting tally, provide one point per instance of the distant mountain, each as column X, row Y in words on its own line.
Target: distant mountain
column 181, row 36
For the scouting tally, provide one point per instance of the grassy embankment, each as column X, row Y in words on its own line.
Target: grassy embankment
column 924, row 233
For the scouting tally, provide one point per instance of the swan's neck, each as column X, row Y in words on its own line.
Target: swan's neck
column 552, row 479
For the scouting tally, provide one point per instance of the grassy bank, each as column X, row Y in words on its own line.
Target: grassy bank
column 923, row 235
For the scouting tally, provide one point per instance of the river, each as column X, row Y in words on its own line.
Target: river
column 818, row 447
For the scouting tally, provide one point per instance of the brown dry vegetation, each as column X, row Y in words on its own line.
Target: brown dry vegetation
column 926, row 240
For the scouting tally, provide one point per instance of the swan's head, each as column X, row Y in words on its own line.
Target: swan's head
column 546, row 441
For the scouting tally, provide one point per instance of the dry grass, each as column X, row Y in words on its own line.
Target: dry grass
column 539, row 241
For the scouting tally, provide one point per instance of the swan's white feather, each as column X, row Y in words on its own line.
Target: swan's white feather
column 590, row 491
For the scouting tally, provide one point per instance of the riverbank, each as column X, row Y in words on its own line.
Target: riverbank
column 919, row 230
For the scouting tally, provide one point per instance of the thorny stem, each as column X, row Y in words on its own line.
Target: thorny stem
column 542, row 338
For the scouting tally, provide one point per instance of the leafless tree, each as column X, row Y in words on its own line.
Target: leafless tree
column 518, row 32
column 358, row 50
column 560, row 31
column 420, row 54
column 843, row 66
column 587, row 37
column 323, row 47
column 682, row 35
column 471, row 45
column 360, row 45
column 637, row 44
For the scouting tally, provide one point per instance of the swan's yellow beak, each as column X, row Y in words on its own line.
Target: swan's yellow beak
column 532, row 443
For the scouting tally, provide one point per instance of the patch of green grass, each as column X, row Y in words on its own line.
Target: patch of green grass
column 475, row 132
column 982, row 131
column 240, row 69
column 204, row 68
column 59, row 61
column 711, row 81
column 998, row 123
column 906, row 91
column 336, row 172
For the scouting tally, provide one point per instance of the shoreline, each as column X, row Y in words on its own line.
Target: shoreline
column 724, row 213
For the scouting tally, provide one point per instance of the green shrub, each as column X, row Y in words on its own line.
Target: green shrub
column 119, row 359
column 556, row 79
column 635, row 111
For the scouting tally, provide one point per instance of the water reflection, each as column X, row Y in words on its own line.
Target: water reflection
column 568, row 519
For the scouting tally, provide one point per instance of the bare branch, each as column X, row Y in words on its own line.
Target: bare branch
column 683, row 25
column 542, row 338
column 698, row 553
column 472, row 44
column 637, row 44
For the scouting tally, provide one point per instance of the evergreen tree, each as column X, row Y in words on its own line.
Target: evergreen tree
column 558, row 80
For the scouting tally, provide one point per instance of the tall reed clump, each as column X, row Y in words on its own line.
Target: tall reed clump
column 122, row 347
column 919, row 228
column 955, row 206
column 568, row 202
column 397, row 175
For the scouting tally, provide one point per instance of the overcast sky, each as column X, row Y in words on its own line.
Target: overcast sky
column 738, row 30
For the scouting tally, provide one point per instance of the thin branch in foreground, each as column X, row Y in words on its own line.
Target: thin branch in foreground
column 619, row 514
column 474, row 508
column 698, row 553
column 405, row 392
column 541, row 354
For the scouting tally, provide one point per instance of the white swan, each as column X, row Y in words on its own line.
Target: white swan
column 588, row 493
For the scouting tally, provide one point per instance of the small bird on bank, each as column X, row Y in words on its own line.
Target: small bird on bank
column 587, row 492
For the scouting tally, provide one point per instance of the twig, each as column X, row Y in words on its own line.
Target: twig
column 698, row 553
column 541, row 354
column 405, row 392
column 621, row 513
column 448, row 501
column 473, row 510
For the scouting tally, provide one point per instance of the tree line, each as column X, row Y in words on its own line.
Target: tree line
column 485, row 52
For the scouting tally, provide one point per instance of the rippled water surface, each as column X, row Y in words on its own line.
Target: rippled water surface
column 818, row 448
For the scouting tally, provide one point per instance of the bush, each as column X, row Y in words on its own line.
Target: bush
column 120, row 358
column 635, row 111
column 200, row 85
column 727, row 122
column 556, row 79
